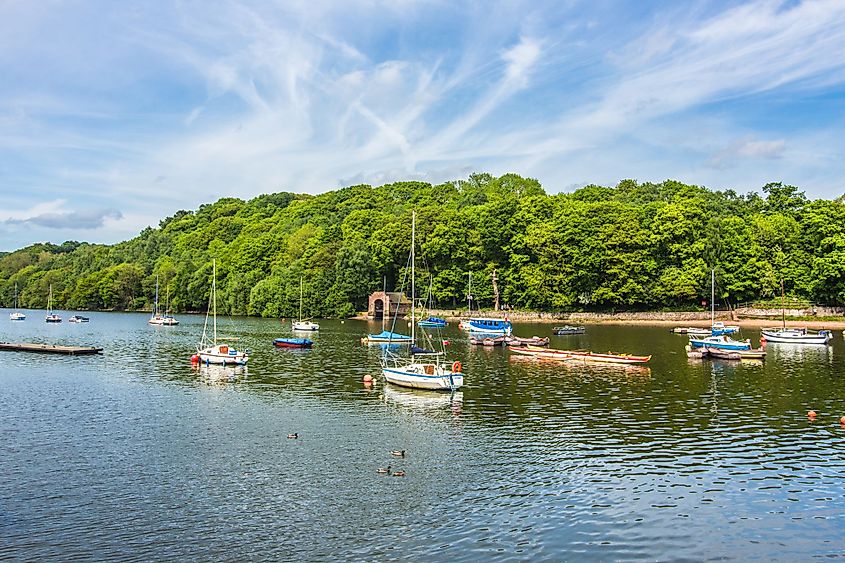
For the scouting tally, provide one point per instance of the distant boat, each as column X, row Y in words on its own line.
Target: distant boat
column 718, row 328
column 420, row 369
column 209, row 350
column 431, row 321
column 78, row 319
column 293, row 343
column 567, row 329
column 481, row 340
column 387, row 337
column 303, row 325
column 735, row 354
column 721, row 341
column 785, row 335
column 51, row 317
column 16, row 315
column 796, row 336
column 159, row 319
column 533, row 341
column 693, row 330
column 486, row 325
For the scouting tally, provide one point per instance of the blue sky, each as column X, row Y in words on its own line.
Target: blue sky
column 114, row 115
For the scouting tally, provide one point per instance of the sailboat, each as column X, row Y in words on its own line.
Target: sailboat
column 16, row 315
column 785, row 335
column 718, row 336
column 431, row 321
column 304, row 325
column 421, row 369
column 51, row 317
column 488, row 326
column 209, row 350
column 159, row 319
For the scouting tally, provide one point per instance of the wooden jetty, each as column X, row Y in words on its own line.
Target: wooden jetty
column 49, row 348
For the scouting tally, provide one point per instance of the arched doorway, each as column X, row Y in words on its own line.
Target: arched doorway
column 378, row 309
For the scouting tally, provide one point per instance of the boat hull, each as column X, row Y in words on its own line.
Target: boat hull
column 564, row 330
column 293, row 343
column 305, row 326
column 17, row 317
column 222, row 355
column 722, row 344
column 796, row 336
column 415, row 377
column 163, row 321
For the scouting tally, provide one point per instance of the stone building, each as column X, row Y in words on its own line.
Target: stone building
column 388, row 304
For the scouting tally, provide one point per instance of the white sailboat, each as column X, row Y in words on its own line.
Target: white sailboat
column 209, row 350
column 51, row 317
column 422, row 369
column 304, row 325
column 159, row 319
column 16, row 315
column 786, row 335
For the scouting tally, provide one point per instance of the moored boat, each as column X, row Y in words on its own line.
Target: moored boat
column 722, row 342
column 209, row 350
column 480, row 340
column 293, row 343
column 718, row 328
column 78, row 319
column 796, row 336
column 735, row 354
column 421, row 369
column 583, row 355
column 16, row 315
column 567, row 329
column 533, row 341
column 487, row 325
column 696, row 330
column 386, row 337
column 159, row 319
column 303, row 325
column 51, row 316
column 432, row 322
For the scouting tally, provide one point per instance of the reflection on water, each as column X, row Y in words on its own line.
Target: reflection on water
column 136, row 454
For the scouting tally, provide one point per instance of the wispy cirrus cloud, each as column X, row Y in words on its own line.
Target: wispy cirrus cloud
column 193, row 104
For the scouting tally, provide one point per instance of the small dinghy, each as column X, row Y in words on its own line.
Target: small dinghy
column 293, row 343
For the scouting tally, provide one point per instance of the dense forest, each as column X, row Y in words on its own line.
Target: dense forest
column 632, row 246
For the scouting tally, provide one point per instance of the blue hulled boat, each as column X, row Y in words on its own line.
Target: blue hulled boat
column 721, row 342
column 432, row 322
column 488, row 325
column 293, row 343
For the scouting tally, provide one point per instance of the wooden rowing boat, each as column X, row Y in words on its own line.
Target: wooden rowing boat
column 583, row 355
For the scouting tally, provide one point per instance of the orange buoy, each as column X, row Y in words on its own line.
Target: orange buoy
column 457, row 367
column 446, row 343
column 842, row 420
column 811, row 414
column 368, row 378
column 195, row 359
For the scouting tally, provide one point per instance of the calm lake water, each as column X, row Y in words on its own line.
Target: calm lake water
column 135, row 455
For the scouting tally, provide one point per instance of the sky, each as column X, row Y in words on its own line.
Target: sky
column 115, row 115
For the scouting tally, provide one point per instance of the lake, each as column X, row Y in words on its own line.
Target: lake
column 137, row 455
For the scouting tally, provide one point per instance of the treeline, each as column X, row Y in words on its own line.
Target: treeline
column 632, row 246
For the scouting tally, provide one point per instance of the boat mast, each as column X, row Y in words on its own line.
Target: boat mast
column 155, row 307
column 712, row 297
column 50, row 301
column 384, row 291
column 214, row 295
column 16, row 297
column 413, row 242
column 782, row 305
column 300, row 298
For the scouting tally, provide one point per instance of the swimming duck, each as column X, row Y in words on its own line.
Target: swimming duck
column 383, row 470
column 293, row 436
column 398, row 453
column 400, row 473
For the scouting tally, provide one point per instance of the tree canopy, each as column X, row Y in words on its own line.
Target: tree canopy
column 631, row 246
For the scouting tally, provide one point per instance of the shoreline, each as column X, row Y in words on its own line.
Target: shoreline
column 668, row 319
